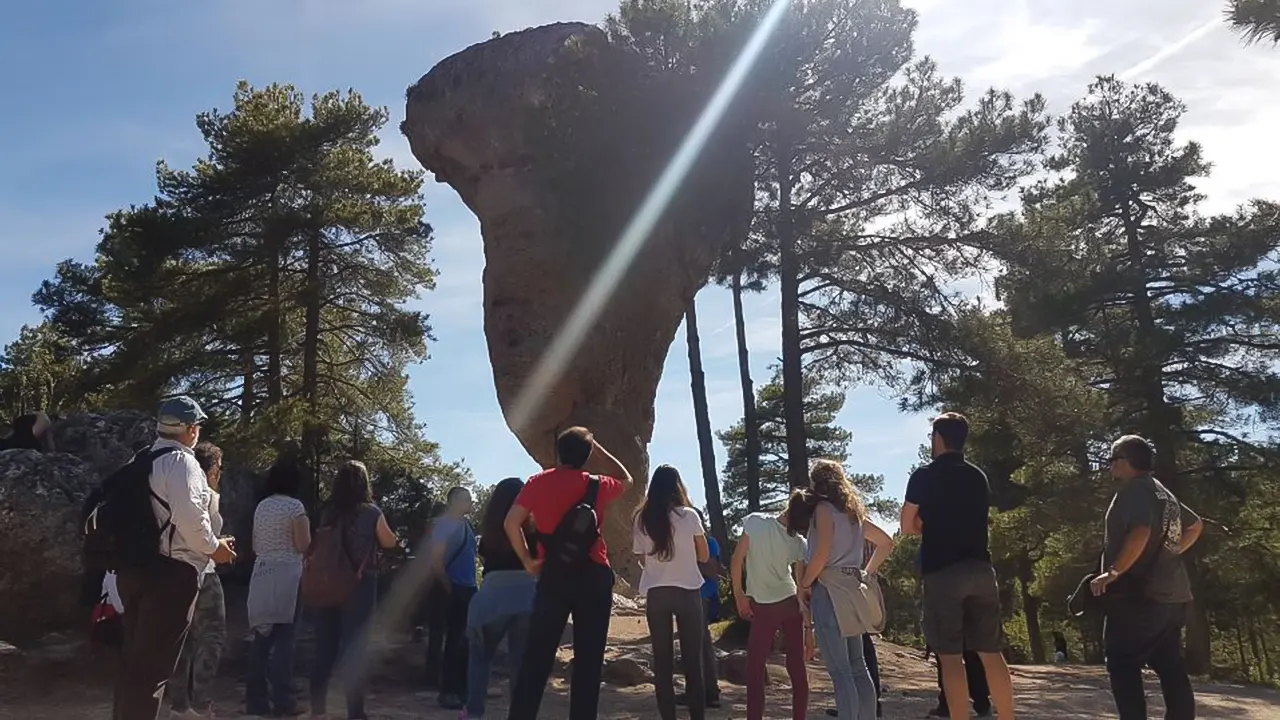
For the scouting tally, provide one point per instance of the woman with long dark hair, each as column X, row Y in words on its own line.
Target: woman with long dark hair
column 669, row 538
column 502, row 606
column 343, row 630
column 834, row 570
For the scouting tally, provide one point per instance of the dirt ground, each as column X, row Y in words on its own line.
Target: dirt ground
column 80, row 691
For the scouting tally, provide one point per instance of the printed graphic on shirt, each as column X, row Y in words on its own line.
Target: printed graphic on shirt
column 1172, row 518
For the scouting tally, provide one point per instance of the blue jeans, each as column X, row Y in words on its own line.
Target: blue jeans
column 845, row 660
column 271, row 666
column 483, row 642
column 342, row 638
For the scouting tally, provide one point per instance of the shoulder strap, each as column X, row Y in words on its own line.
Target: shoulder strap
column 592, row 496
column 167, row 526
column 466, row 536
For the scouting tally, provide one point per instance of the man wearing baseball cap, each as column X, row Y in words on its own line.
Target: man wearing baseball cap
column 159, row 598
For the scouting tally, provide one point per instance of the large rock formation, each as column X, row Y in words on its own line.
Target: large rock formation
column 40, row 498
column 552, row 137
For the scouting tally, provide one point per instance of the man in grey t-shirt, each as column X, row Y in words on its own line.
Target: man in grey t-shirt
column 1145, row 584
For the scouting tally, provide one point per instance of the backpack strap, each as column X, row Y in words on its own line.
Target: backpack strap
column 152, row 456
column 592, row 496
column 467, row 534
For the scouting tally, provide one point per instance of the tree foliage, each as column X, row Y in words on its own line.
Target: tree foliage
column 1126, row 309
column 270, row 281
column 823, row 401
column 1255, row 20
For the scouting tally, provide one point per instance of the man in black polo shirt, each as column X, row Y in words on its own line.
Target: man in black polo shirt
column 946, row 504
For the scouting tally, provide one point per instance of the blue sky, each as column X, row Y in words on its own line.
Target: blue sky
column 96, row 92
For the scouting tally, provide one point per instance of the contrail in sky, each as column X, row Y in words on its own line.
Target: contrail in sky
column 1170, row 50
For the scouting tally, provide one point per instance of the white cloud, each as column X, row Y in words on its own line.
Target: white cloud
column 1135, row 72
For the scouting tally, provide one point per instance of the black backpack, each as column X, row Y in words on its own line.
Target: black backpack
column 569, row 546
column 121, row 530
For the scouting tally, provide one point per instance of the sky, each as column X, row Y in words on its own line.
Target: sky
column 98, row 92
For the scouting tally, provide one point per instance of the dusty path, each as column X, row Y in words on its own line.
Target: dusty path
column 80, row 691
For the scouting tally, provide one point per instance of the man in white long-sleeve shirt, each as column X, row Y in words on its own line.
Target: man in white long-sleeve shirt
column 159, row 599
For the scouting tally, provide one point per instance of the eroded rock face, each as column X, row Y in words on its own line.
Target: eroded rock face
column 103, row 440
column 40, row 570
column 552, row 137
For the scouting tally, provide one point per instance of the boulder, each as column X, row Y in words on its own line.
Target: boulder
column 625, row 672
column 103, row 440
column 553, row 137
column 733, row 670
column 40, row 569
column 239, row 491
column 626, row 607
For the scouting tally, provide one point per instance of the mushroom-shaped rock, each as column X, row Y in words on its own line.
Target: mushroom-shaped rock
column 553, row 137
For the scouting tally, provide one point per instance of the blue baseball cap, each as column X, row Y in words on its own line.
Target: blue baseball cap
column 179, row 412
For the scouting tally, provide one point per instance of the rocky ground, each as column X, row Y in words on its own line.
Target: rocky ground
column 59, row 683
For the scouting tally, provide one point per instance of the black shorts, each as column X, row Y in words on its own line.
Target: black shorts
column 962, row 609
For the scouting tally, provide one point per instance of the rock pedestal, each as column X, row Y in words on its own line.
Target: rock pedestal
column 553, row 136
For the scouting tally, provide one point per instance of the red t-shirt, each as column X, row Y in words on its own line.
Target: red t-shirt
column 552, row 493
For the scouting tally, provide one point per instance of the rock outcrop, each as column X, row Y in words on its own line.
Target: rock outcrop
column 553, row 136
column 40, row 570
column 103, row 440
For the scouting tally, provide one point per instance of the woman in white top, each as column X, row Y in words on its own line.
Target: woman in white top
column 668, row 536
column 281, row 535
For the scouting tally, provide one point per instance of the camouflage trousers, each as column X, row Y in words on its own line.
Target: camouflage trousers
column 192, row 683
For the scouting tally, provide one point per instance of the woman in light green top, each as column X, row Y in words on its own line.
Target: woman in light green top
column 771, row 551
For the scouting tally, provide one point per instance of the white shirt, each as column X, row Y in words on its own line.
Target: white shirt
column 215, row 520
column 681, row 569
column 176, row 479
column 273, row 526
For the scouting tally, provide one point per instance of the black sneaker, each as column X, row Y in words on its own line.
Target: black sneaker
column 449, row 701
column 832, row 712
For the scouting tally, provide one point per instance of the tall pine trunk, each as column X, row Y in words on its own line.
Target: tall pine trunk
column 749, row 421
column 311, row 432
column 247, row 386
column 275, row 323
column 1030, row 607
column 792, row 356
column 702, row 420
column 1162, row 422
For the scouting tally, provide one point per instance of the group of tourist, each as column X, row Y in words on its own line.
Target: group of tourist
column 808, row 571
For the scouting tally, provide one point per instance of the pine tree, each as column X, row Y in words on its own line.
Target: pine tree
column 40, row 371
column 269, row 280
column 871, row 175
column 1255, row 20
column 1170, row 312
column 823, row 402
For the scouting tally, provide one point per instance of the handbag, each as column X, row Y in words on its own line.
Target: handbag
column 870, row 607
column 858, row 600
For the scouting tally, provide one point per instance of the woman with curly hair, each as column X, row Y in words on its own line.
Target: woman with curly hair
column 668, row 536
column 834, row 570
